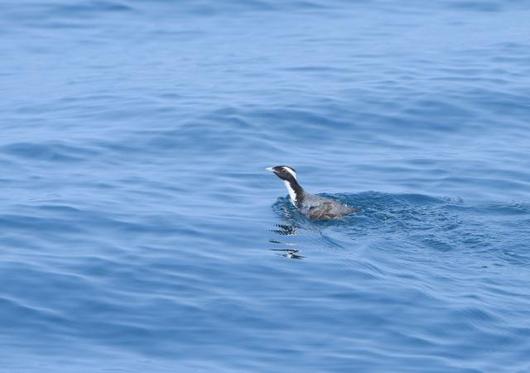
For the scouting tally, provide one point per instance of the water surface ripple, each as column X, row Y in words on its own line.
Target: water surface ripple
column 139, row 231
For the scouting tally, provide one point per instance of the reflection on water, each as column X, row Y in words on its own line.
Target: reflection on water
column 289, row 253
column 287, row 229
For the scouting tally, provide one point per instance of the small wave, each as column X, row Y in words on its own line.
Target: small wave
column 50, row 151
column 90, row 7
column 415, row 221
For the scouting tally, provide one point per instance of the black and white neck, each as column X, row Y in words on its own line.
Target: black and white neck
column 296, row 192
column 288, row 176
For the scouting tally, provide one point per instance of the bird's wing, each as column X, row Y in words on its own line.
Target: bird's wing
column 321, row 212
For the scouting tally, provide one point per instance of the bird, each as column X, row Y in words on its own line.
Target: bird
column 312, row 206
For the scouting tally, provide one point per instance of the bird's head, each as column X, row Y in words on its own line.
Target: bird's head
column 283, row 172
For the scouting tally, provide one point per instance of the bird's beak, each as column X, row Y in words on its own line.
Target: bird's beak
column 270, row 169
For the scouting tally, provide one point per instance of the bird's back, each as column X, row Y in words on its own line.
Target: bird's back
column 322, row 208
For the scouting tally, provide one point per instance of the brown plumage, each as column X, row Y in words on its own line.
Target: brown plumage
column 313, row 206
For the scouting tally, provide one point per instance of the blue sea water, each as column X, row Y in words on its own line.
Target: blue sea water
column 139, row 231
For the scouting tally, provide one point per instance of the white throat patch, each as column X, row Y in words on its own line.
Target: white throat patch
column 292, row 193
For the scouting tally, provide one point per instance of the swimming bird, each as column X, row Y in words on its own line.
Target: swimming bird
column 312, row 206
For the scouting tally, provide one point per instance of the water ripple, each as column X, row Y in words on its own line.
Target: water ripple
column 139, row 229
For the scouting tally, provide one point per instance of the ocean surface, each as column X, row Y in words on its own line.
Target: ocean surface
column 139, row 231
